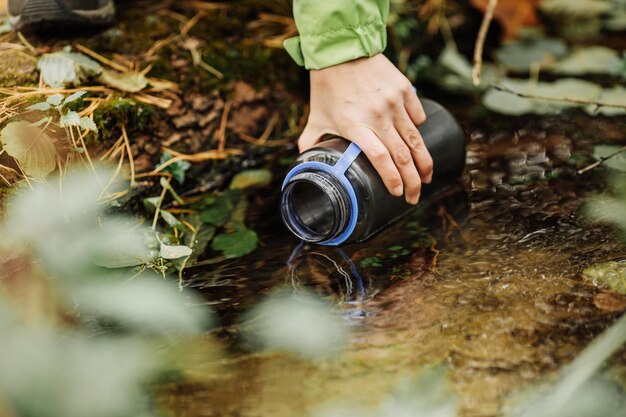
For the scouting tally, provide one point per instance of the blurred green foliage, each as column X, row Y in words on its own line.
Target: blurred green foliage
column 88, row 345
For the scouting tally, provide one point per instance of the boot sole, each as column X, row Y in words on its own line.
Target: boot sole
column 49, row 14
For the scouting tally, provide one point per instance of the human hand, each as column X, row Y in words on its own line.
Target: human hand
column 371, row 103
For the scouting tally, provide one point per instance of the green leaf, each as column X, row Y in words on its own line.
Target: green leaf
column 617, row 162
column 119, row 246
column 63, row 68
column 31, row 147
column 520, row 55
column 174, row 251
column 74, row 96
column 150, row 203
column 71, row 118
column 616, row 21
column 458, row 73
column 298, row 322
column 200, row 240
column 590, row 60
column 372, row 261
column 55, row 100
column 41, row 106
column 131, row 82
column 5, row 25
column 217, row 213
column 88, row 366
column 507, row 103
column 607, row 210
column 236, row 244
column 568, row 88
column 608, row 274
column 177, row 169
column 615, row 95
column 145, row 303
column 169, row 218
column 578, row 8
column 251, row 178
column 40, row 122
column 238, row 214
column 88, row 124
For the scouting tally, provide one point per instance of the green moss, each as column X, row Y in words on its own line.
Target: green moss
column 124, row 111
column 17, row 68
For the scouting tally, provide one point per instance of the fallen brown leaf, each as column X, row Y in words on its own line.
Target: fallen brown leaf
column 513, row 15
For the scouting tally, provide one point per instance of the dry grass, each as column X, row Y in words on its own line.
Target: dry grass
column 160, row 93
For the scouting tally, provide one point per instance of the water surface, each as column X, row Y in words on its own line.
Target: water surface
column 486, row 279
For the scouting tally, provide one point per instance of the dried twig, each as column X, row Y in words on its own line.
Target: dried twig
column 275, row 41
column 602, row 160
column 197, row 157
column 191, row 23
column 269, row 128
column 120, row 163
column 27, row 44
column 131, row 160
column 201, row 5
column 101, row 58
column 193, row 46
column 268, row 144
column 156, row 47
column 157, row 211
column 480, row 41
column 220, row 137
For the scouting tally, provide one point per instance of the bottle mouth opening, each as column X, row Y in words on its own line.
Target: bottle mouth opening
column 315, row 207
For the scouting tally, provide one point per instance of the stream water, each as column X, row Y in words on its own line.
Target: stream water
column 486, row 280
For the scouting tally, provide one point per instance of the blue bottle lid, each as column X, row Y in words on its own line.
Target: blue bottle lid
column 337, row 171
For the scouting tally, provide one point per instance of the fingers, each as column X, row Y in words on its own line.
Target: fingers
column 380, row 158
column 308, row 138
column 414, row 107
column 414, row 141
column 401, row 155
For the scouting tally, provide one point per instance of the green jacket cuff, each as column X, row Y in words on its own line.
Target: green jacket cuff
column 336, row 46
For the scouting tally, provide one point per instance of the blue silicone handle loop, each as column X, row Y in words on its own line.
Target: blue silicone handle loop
column 339, row 172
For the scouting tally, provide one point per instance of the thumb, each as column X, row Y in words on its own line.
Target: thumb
column 309, row 137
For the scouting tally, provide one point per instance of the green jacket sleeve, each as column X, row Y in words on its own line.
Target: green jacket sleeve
column 332, row 32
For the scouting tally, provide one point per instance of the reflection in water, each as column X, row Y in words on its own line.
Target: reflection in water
column 333, row 265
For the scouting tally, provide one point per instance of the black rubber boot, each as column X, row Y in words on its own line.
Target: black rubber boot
column 60, row 14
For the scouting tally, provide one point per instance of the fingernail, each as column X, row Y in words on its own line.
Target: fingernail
column 414, row 200
column 397, row 191
column 429, row 178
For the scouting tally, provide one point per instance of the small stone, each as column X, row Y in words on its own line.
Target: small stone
column 143, row 163
column 185, row 120
column 201, row 103
column 152, row 148
column 610, row 302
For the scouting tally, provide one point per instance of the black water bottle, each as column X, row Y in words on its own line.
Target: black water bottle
column 333, row 195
